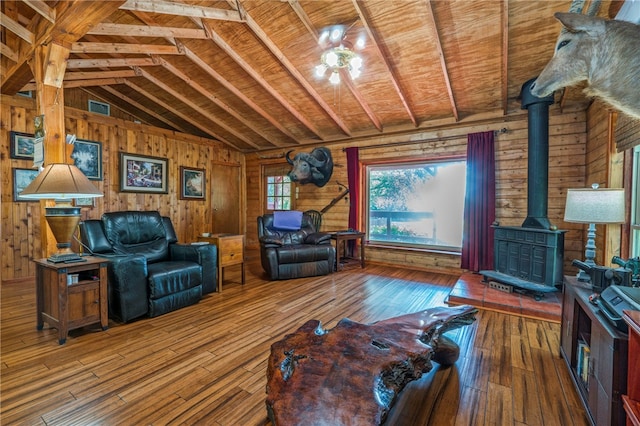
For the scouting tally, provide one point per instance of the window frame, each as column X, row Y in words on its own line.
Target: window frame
column 274, row 169
column 634, row 225
column 404, row 162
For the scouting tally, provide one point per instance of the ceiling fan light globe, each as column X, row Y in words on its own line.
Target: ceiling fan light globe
column 335, row 78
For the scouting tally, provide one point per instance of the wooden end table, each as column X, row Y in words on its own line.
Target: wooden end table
column 343, row 237
column 230, row 252
column 71, row 295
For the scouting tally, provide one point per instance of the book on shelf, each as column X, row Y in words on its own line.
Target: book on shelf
column 582, row 361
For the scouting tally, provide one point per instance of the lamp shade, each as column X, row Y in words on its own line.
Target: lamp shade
column 604, row 205
column 60, row 181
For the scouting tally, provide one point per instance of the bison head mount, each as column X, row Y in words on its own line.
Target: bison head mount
column 315, row 167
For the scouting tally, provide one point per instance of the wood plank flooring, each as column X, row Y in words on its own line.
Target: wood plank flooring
column 206, row 364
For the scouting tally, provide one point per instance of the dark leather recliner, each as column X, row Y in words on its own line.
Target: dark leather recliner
column 149, row 273
column 294, row 254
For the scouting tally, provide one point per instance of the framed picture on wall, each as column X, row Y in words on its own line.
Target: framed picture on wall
column 192, row 183
column 21, row 179
column 84, row 202
column 22, row 145
column 141, row 173
column 87, row 156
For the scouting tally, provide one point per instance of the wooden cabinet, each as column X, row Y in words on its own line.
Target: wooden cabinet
column 70, row 296
column 230, row 252
column 596, row 354
column 632, row 398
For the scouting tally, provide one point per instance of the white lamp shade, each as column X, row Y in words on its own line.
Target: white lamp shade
column 604, row 205
column 60, row 181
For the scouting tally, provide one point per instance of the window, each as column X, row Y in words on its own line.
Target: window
column 279, row 193
column 635, row 205
column 416, row 204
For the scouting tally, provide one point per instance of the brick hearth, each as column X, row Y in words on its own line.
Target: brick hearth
column 471, row 290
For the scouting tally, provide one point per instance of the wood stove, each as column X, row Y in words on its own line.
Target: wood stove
column 530, row 257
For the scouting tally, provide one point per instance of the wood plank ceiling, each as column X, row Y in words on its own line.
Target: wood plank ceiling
column 243, row 71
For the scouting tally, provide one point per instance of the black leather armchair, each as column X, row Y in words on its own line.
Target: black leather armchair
column 294, row 254
column 149, row 273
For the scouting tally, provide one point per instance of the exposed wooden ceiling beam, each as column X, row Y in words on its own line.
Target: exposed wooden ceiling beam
column 8, row 52
column 146, row 31
column 42, row 9
column 384, row 54
column 443, row 62
column 111, row 62
column 176, row 112
column 302, row 15
column 16, row 28
column 82, row 75
column 216, row 38
column 191, row 104
column 66, row 30
column 142, row 108
column 286, row 63
column 169, row 8
column 82, row 83
column 217, row 76
column 216, row 100
column 148, row 49
column 213, row 73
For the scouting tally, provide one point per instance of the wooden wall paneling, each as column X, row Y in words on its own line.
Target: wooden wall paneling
column 20, row 221
column 566, row 163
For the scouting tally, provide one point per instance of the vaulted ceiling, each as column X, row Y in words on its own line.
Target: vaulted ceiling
column 243, row 71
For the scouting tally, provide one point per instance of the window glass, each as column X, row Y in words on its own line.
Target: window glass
column 416, row 204
column 278, row 193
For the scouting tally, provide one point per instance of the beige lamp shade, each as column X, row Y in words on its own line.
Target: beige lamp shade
column 60, row 181
column 586, row 205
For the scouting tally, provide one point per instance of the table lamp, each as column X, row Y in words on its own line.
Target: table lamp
column 62, row 183
column 594, row 206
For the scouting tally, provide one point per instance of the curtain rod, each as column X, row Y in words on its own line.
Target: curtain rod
column 445, row 138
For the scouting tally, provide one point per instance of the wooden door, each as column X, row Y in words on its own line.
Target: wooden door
column 226, row 193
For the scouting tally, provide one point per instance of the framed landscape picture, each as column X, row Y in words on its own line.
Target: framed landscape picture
column 140, row 173
column 87, row 156
column 22, row 145
column 192, row 183
column 21, row 179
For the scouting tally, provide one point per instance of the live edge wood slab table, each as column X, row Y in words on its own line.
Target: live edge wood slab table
column 353, row 373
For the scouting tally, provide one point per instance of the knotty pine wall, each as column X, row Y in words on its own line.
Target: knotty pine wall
column 567, row 149
column 20, row 227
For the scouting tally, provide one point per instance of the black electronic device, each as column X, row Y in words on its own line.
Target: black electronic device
column 602, row 277
column 615, row 299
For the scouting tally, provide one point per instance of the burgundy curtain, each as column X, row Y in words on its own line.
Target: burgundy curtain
column 353, row 180
column 479, row 203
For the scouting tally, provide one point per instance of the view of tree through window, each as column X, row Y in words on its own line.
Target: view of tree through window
column 278, row 193
column 417, row 204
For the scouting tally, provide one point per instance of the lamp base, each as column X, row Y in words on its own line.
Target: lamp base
column 63, row 221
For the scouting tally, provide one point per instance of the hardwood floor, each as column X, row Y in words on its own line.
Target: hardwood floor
column 206, row 364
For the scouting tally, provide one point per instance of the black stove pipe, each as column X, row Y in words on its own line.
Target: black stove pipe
column 538, row 164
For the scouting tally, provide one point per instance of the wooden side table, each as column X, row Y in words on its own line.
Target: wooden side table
column 71, row 295
column 230, row 252
column 343, row 237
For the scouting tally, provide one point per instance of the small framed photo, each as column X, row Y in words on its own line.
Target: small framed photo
column 84, row 202
column 22, row 145
column 87, row 156
column 21, row 179
column 192, row 183
column 140, row 173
